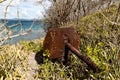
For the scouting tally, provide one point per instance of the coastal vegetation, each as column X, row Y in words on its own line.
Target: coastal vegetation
column 100, row 40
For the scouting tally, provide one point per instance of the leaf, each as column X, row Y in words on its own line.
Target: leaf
column 112, row 78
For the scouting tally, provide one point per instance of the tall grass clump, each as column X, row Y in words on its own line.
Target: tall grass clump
column 14, row 59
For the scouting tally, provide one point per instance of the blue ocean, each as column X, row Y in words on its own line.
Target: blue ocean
column 37, row 31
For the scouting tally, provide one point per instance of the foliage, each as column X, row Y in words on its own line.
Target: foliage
column 14, row 59
column 32, row 46
column 11, row 57
column 100, row 40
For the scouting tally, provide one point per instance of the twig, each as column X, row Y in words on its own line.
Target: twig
column 113, row 23
column 117, row 13
column 2, row 31
column 2, row 1
column 2, row 40
column 6, row 10
column 13, row 25
column 32, row 24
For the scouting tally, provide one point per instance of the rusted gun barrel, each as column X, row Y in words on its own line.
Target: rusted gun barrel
column 84, row 58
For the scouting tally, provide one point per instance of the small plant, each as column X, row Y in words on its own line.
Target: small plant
column 10, row 59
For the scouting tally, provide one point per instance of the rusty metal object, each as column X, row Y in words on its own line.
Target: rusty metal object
column 84, row 58
column 59, row 41
column 54, row 41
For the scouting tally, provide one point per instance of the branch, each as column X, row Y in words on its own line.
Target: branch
column 117, row 13
column 2, row 40
column 2, row 1
column 113, row 23
column 7, row 9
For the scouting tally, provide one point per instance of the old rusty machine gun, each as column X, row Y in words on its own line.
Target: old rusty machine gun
column 59, row 41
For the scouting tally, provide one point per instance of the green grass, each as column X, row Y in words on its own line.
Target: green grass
column 100, row 40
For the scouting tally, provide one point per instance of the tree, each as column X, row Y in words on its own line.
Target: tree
column 64, row 11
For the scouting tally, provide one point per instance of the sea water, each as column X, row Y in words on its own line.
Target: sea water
column 37, row 30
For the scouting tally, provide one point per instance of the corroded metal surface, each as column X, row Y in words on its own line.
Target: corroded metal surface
column 84, row 58
column 54, row 41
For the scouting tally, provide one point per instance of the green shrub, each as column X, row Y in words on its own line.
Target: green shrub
column 100, row 41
